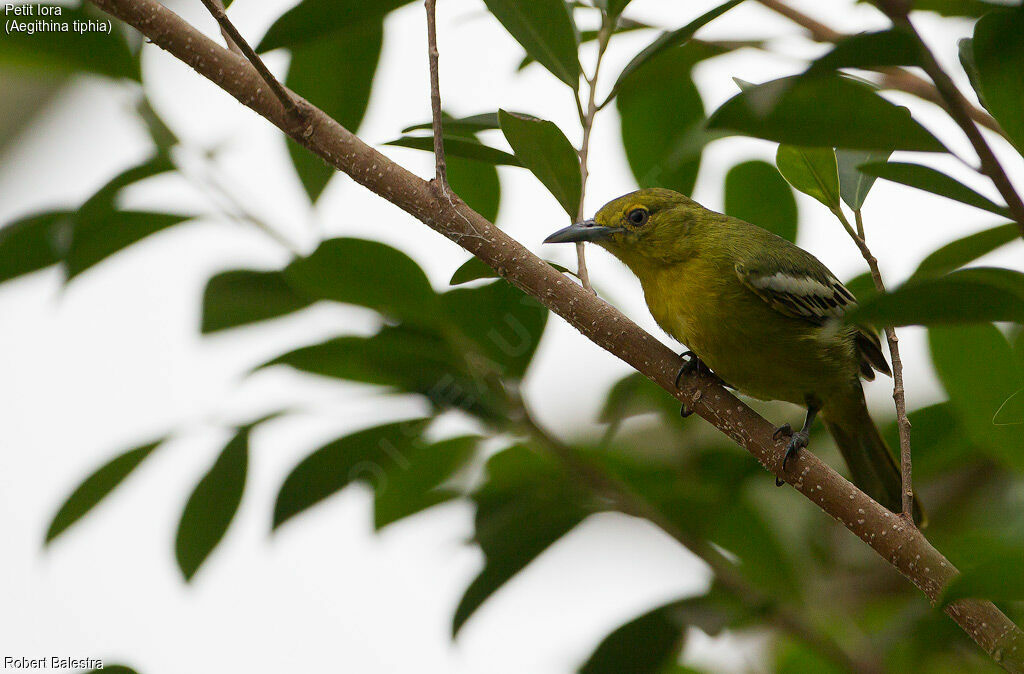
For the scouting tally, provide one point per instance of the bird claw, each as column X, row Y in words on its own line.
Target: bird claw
column 685, row 411
column 797, row 441
column 693, row 365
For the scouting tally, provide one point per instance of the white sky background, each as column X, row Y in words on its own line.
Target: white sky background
column 116, row 359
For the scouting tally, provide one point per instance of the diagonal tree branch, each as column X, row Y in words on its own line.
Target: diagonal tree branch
column 902, row 546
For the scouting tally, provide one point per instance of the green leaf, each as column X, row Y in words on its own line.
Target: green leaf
column 999, row 57
column 96, row 239
column 963, row 251
column 344, row 95
column 212, row 505
column 636, row 394
column 973, row 295
column 823, row 111
column 243, row 296
column 504, row 324
column 477, row 184
column 965, row 51
column 669, row 40
column 939, row 442
column 546, row 31
column 104, row 201
column 662, row 120
column 613, row 7
column 475, row 269
column 461, row 126
column 366, row 273
column 465, row 148
column 96, row 487
column 965, row 8
column 930, row 180
column 313, row 20
column 892, row 47
column 997, row 577
column 756, row 193
column 977, row 368
column 364, row 456
column 812, row 170
column 33, row 242
column 542, row 147
column 648, row 644
column 527, row 503
column 413, row 484
column 854, row 185
column 1011, row 412
column 49, row 52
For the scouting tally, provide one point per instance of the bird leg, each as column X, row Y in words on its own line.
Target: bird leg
column 798, row 440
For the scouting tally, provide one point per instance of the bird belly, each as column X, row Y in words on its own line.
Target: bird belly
column 748, row 344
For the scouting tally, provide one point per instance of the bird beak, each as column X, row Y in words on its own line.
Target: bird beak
column 588, row 230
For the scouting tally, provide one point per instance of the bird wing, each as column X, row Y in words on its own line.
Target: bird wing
column 815, row 297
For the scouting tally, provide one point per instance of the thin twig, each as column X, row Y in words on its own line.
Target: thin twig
column 217, row 10
column 899, row 79
column 587, row 120
column 626, row 500
column 224, row 33
column 959, row 109
column 440, row 168
column 898, row 391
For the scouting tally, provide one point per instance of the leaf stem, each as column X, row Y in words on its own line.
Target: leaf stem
column 898, row 391
column 440, row 168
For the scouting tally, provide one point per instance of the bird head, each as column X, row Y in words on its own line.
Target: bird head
column 650, row 222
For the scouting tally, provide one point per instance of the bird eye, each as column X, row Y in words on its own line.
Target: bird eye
column 638, row 217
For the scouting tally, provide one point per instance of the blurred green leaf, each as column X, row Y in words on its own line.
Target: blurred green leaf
column 812, row 170
column 966, row 250
column 757, row 193
column 891, row 47
column 243, row 296
column 854, row 184
column 49, row 52
column 33, row 242
column 526, row 503
column 477, row 184
column 366, row 273
column 613, row 7
column 930, row 180
column 823, row 111
column 455, row 146
column 999, row 57
column 461, row 126
column 979, row 294
column 662, row 119
column 965, row 50
column 504, row 324
column 98, row 238
column 939, row 442
column 794, row 657
column 649, row 644
column 546, row 30
column 623, row 26
column 979, row 372
column 963, row 8
column 475, row 269
column 113, row 669
column 669, row 40
column 999, row 577
column 312, row 20
column 96, row 487
column 542, row 147
column 636, row 394
column 364, row 456
column 212, row 505
column 1011, row 412
column 863, row 288
column 344, row 95
column 104, row 200
column 413, row 484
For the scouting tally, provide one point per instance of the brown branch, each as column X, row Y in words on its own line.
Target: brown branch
column 899, row 79
column 231, row 44
column 959, row 109
column 216, row 8
column 902, row 546
column 440, row 169
column 898, row 391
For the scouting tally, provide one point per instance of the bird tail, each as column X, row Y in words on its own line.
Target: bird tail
column 870, row 460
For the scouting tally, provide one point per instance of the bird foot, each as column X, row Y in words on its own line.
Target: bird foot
column 797, row 441
column 693, row 365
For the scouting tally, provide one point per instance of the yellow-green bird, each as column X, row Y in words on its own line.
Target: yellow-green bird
column 763, row 314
